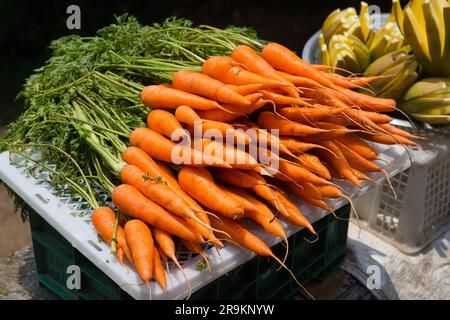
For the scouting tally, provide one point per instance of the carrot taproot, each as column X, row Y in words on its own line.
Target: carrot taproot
column 104, row 219
column 195, row 248
column 312, row 163
column 158, row 270
column 245, row 89
column 338, row 162
column 386, row 138
column 334, row 132
column 357, row 161
column 397, row 131
column 200, row 185
column 157, row 190
column 163, row 122
column 279, row 99
column 262, row 215
column 139, row 238
column 157, row 96
column 359, row 146
column 349, row 82
column 360, row 175
column 247, row 205
column 308, row 193
column 242, row 236
column 187, row 115
column 255, row 63
column 267, row 193
column 269, row 120
column 308, row 114
column 295, row 215
column 167, row 246
column 364, row 101
column 205, row 86
column 132, row 202
column 235, row 157
column 159, row 147
column 294, row 172
column 239, row 178
column 281, row 58
column 223, row 116
column 296, row 146
column 228, row 71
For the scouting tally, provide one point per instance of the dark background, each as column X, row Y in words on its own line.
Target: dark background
column 27, row 27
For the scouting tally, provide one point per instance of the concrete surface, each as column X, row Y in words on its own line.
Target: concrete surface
column 14, row 234
column 18, row 277
column 18, row 281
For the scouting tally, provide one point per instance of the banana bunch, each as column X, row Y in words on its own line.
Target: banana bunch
column 342, row 42
column 425, row 25
column 341, row 22
column 397, row 71
column 347, row 37
column 428, row 101
column 385, row 40
column 345, row 51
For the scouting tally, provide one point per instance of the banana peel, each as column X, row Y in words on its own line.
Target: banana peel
column 432, row 119
column 425, row 25
column 428, row 100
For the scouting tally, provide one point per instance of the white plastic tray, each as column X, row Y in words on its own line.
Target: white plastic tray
column 78, row 230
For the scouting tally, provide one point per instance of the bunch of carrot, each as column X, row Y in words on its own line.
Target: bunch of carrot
column 324, row 127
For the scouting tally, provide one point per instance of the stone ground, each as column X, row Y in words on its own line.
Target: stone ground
column 18, row 281
column 14, row 234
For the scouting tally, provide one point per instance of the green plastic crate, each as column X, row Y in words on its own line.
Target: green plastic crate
column 256, row 279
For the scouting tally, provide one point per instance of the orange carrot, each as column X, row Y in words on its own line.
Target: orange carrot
column 236, row 157
column 364, row 101
column 296, row 146
column 203, row 85
column 103, row 219
column 157, row 96
column 281, row 58
column 220, row 115
column 269, row 120
column 158, row 269
column 242, row 236
column 158, row 147
column 139, row 238
column 262, row 214
column 199, row 184
column 255, row 63
column 312, row 163
column 228, row 71
column 268, row 194
column 359, row 146
column 133, row 203
column 157, row 190
column 245, row 89
column 279, row 99
column 163, row 122
column 397, row 131
column 357, row 161
column 297, row 173
column 338, row 162
column 308, row 115
column 309, row 193
column 187, row 115
column 295, row 215
column 387, row 139
column 239, row 178
column 165, row 242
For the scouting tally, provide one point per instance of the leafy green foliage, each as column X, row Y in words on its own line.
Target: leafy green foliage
column 85, row 100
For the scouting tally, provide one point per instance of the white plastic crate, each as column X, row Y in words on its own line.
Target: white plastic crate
column 70, row 216
column 421, row 211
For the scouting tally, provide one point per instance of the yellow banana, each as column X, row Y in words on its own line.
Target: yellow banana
column 365, row 21
column 433, row 31
column 432, row 119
